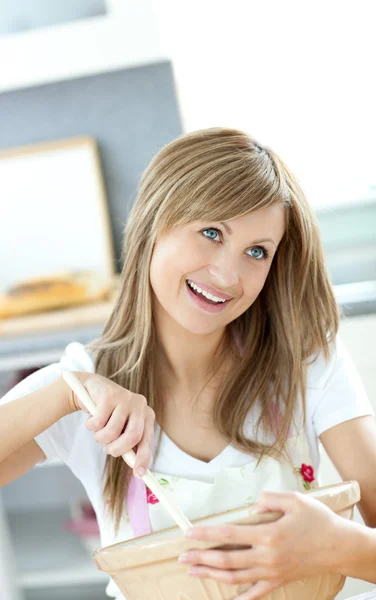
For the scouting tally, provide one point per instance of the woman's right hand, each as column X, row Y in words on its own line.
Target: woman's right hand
column 123, row 419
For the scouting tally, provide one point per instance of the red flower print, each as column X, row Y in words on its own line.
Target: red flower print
column 150, row 498
column 307, row 473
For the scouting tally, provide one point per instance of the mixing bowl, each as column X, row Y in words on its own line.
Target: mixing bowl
column 146, row 568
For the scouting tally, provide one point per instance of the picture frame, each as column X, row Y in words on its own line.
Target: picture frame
column 55, row 216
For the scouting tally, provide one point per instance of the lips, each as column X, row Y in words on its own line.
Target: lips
column 211, row 290
column 204, row 303
column 196, row 293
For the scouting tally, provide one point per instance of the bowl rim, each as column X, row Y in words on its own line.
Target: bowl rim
column 131, row 553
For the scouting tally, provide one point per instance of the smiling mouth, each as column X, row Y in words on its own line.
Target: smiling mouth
column 203, row 297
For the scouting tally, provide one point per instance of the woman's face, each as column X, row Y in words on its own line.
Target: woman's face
column 229, row 261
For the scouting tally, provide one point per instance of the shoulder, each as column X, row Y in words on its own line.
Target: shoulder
column 320, row 369
column 335, row 391
column 75, row 358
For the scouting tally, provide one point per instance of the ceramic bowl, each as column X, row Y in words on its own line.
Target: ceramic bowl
column 146, row 568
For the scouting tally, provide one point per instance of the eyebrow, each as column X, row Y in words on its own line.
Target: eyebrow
column 229, row 231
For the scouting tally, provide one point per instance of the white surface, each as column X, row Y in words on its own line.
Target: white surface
column 126, row 37
column 21, row 15
column 58, row 190
column 367, row 596
column 361, row 291
column 300, row 80
column 49, row 463
column 267, row 76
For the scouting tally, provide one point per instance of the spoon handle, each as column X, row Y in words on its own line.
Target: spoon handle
column 130, row 457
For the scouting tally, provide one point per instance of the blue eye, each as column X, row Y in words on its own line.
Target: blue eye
column 258, row 252
column 213, row 233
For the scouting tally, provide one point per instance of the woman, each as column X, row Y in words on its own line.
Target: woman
column 225, row 330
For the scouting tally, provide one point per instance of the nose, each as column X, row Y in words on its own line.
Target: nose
column 225, row 270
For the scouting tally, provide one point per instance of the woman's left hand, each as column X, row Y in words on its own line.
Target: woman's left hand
column 304, row 542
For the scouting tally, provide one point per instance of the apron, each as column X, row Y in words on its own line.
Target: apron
column 232, row 487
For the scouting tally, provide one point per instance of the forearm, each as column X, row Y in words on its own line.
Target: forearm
column 21, row 420
column 358, row 556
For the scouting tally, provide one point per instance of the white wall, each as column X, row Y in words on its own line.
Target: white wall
column 297, row 75
column 127, row 36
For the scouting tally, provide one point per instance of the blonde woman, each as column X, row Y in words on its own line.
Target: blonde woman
column 221, row 366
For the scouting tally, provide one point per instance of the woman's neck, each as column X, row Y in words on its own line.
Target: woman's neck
column 186, row 362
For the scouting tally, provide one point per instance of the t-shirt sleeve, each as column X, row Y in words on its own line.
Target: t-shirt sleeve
column 335, row 392
column 59, row 440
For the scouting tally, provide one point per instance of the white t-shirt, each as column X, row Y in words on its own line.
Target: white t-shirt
column 335, row 394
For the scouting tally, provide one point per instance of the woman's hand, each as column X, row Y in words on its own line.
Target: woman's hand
column 304, row 542
column 123, row 419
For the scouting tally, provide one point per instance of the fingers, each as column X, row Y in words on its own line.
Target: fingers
column 101, row 417
column 133, row 432
column 145, row 446
column 122, row 421
column 114, row 426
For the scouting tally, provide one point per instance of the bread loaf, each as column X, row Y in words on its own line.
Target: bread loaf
column 57, row 291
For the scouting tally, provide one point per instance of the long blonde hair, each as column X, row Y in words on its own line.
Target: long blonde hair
column 219, row 174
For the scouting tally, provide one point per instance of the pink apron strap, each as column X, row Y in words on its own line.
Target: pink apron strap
column 137, row 507
column 276, row 418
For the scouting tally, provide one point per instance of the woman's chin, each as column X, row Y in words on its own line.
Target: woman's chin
column 194, row 327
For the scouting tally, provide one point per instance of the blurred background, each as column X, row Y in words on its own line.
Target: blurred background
column 90, row 90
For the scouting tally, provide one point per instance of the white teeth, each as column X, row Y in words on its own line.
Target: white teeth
column 206, row 294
